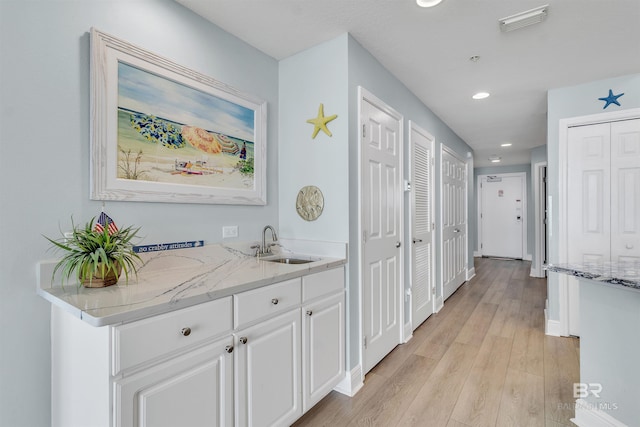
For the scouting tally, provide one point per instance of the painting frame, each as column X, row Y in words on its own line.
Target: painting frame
column 241, row 185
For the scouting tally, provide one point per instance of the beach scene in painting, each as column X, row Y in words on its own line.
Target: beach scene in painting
column 171, row 133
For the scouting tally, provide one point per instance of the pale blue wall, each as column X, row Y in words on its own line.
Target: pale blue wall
column 44, row 140
column 574, row 101
column 312, row 77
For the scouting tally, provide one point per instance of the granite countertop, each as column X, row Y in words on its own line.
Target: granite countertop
column 174, row 279
column 624, row 274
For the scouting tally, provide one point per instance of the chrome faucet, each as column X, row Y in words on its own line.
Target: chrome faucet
column 264, row 249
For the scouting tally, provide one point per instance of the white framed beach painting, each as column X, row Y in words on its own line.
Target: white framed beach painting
column 164, row 133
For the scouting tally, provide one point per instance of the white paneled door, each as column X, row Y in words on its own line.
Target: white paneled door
column 422, row 225
column 382, row 214
column 502, row 215
column 625, row 191
column 454, row 221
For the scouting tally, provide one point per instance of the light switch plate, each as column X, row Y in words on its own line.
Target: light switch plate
column 229, row 231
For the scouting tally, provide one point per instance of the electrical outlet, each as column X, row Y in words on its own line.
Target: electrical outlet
column 229, row 231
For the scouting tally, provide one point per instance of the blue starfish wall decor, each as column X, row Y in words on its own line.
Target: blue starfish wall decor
column 611, row 99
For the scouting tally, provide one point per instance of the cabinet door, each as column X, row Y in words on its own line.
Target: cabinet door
column 195, row 389
column 323, row 350
column 268, row 372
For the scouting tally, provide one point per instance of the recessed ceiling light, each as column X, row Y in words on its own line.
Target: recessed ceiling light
column 523, row 19
column 508, row 144
column 428, row 3
column 481, row 95
column 495, row 159
column 474, row 58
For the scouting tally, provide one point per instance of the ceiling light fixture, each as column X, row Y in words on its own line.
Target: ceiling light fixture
column 481, row 95
column 524, row 19
column 495, row 159
column 428, row 3
column 508, row 144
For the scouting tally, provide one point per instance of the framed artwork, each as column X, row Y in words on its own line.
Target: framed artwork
column 161, row 132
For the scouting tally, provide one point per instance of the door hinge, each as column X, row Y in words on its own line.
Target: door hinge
column 364, row 130
column 364, row 236
column 433, row 290
column 364, row 342
column 433, row 225
column 480, row 245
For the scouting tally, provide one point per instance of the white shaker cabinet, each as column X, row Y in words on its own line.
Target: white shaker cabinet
column 323, row 335
column 195, row 389
column 257, row 358
column 268, row 378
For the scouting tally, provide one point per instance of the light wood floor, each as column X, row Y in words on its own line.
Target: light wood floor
column 483, row 360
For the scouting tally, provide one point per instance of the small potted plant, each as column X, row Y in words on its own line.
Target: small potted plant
column 97, row 253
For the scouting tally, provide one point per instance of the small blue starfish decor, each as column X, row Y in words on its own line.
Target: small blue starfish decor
column 611, row 99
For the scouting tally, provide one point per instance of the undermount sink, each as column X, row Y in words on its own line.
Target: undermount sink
column 288, row 260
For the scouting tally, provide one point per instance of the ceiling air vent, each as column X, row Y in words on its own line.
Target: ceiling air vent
column 524, row 19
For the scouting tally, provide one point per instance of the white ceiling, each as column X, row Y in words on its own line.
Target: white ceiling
column 429, row 49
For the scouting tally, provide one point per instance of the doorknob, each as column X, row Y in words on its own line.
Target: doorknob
column 417, row 240
column 456, row 230
column 398, row 244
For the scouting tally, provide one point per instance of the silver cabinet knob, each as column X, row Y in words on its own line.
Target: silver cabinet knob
column 398, row 244
column 417, row 240
column 275, row 301
column 309, row 312
column 243, row 340
column 229, row 349
column 186, row 331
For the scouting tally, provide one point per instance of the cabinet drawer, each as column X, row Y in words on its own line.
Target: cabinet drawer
column 266, row 301
column 148, row 339
column 324, row 283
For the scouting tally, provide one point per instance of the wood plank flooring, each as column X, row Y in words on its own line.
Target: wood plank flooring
column 483, row 360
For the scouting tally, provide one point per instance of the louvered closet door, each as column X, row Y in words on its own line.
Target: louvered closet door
column 422, row 255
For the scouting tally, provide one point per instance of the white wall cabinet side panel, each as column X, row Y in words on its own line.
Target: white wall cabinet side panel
column 323, row 348
column 195, row 389
column 268, row 372
column 625, row 194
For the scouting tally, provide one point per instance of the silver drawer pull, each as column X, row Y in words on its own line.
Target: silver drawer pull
column 243, row 340
column 275, row 301
column 229, row 349
column 186, row 331
column 309, row 312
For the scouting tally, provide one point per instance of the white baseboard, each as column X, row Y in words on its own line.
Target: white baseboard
column 352, row 383
column 471, row 273
column 439, row 305
column 551, row 327
column 408, row 332
column 477, row 254
column 528, row 257
column 587, row 415
column 536, row 272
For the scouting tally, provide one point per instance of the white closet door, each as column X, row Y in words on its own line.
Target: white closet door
column 625, row 195
column 422, row 225
column 589, row 195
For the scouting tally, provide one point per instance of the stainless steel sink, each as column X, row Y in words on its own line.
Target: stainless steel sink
column 288, row 260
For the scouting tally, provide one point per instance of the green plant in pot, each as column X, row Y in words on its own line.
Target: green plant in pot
column 96, row 256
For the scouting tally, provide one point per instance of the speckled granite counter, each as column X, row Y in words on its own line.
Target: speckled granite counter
column 170, row 280
column 624, row 274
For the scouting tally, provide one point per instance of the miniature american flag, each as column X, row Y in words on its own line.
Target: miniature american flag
column 105, row 220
